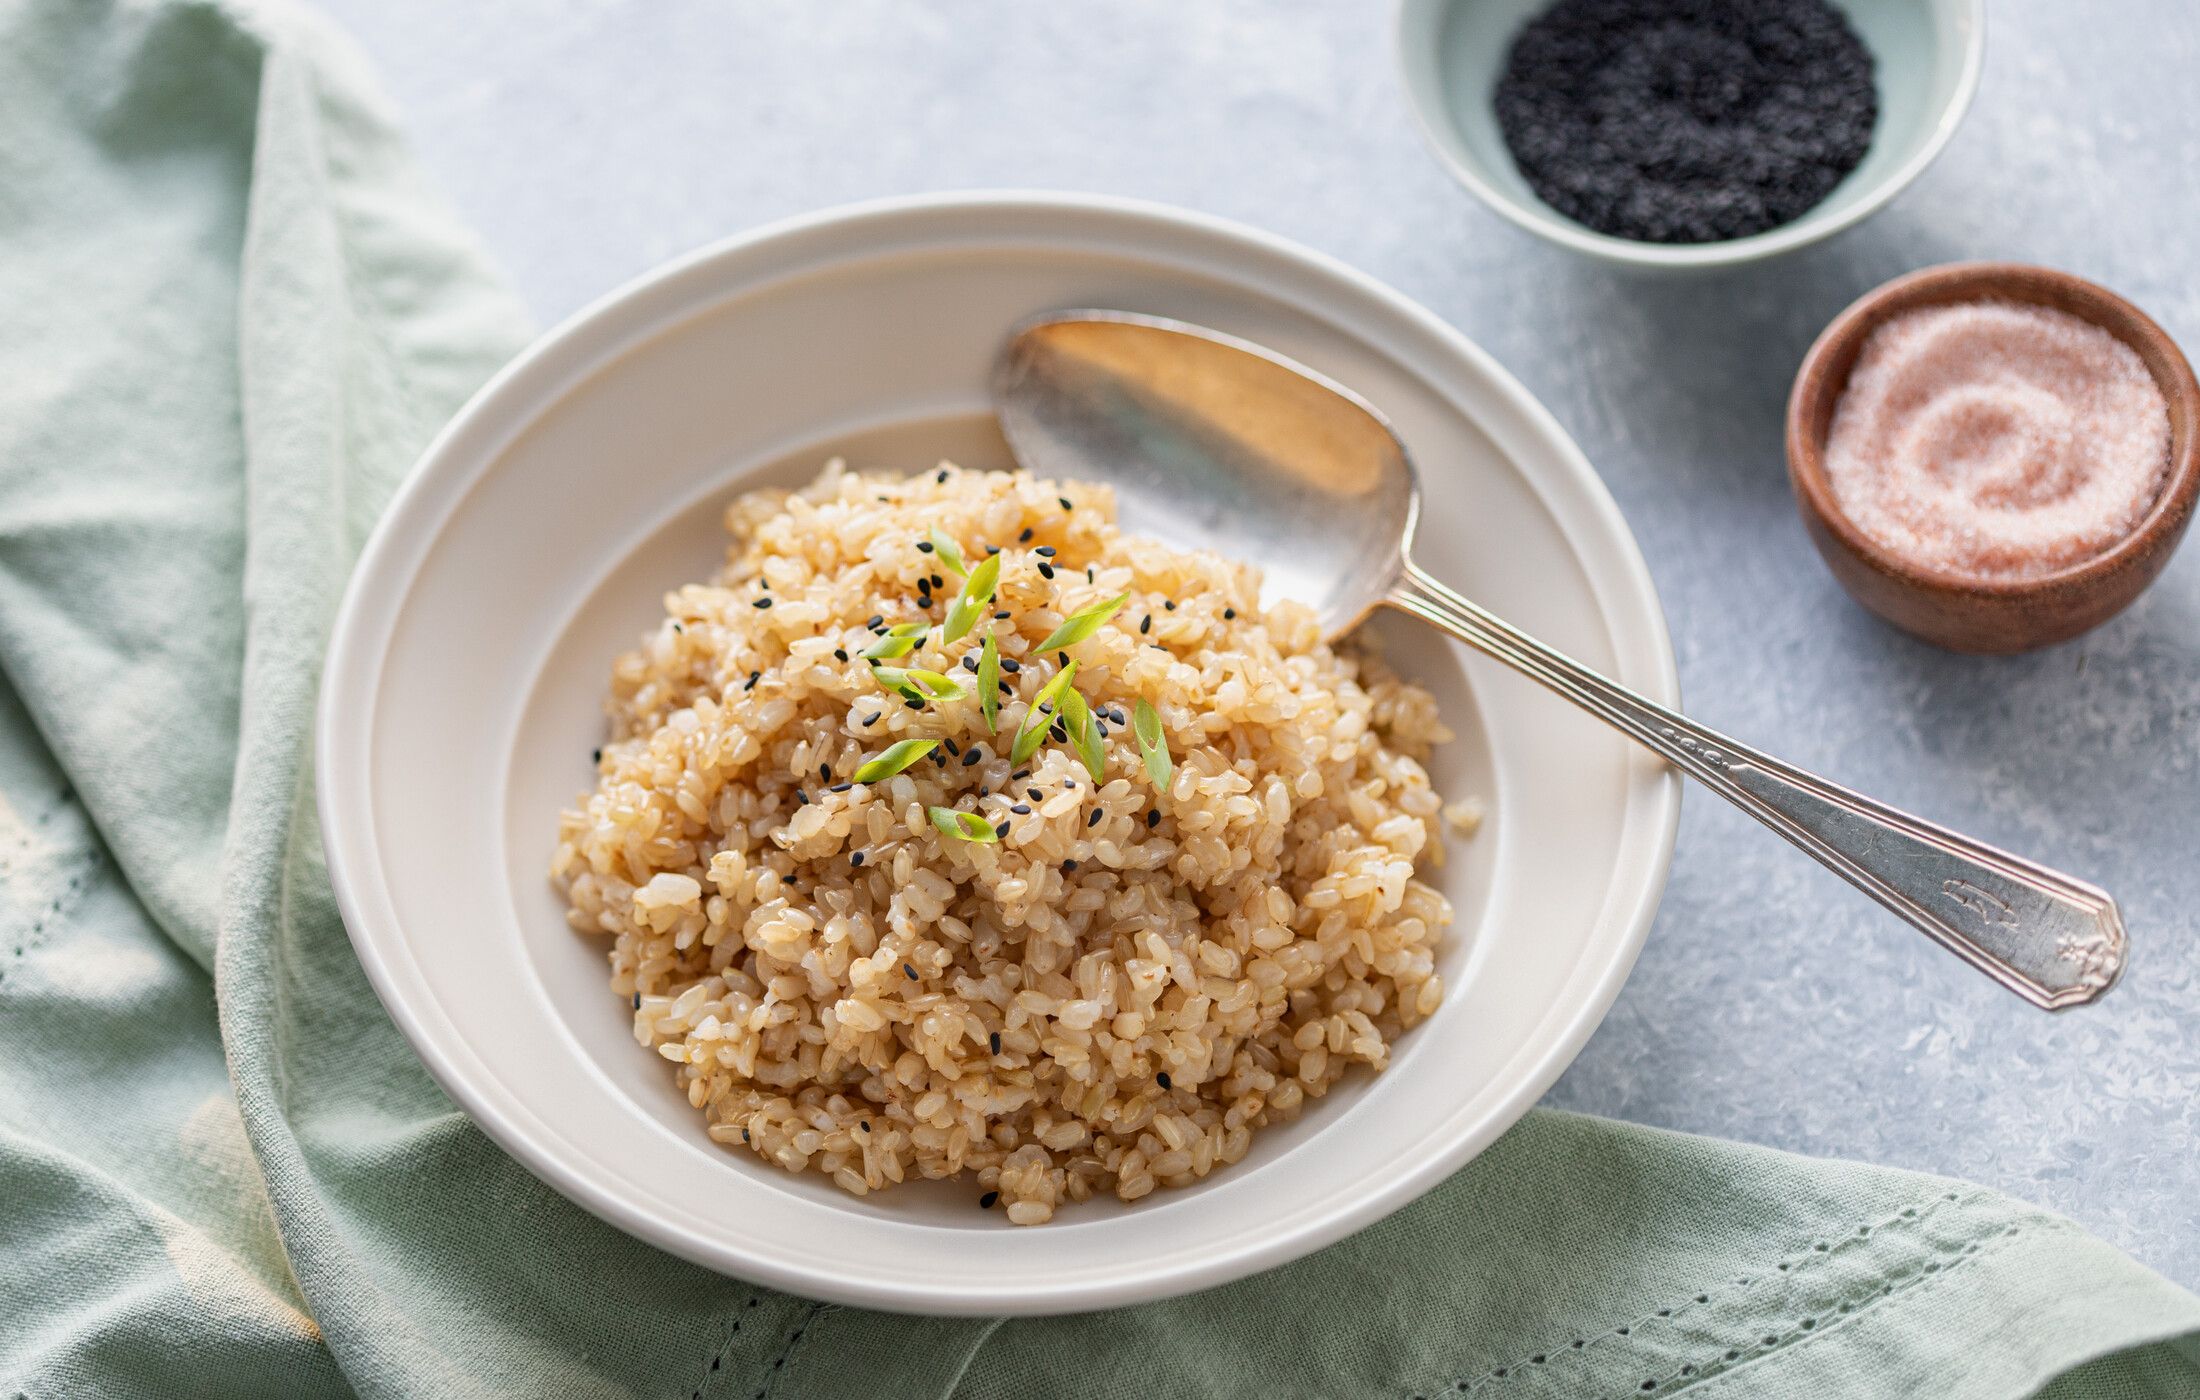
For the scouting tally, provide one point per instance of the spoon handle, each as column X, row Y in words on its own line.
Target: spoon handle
column 2053, row 940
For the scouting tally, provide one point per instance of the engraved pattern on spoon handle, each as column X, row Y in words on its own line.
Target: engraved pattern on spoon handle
column 2054, row 940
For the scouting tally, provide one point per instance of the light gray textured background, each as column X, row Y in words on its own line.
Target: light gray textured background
column 589, row 141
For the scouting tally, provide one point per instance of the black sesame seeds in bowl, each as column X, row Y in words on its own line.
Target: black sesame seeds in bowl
column 1688, row 133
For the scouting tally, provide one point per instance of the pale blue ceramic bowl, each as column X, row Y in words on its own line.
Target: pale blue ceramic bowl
column 1927, row 52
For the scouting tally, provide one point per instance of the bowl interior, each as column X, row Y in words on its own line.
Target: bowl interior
column 562, row 720
column 1454, row 51
column 535, row 541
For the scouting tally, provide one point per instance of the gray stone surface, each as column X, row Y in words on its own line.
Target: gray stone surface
column 589, row 141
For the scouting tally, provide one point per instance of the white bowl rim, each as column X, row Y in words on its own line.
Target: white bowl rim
column 1814, row 224
column 352, row 674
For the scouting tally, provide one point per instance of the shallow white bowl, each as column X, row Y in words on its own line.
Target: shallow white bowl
column 1927, row 55
column 539, row 532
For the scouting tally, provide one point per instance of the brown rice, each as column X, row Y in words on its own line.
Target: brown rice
column 1118, row 992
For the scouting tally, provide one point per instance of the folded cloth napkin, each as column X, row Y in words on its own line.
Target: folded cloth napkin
column 232, row 319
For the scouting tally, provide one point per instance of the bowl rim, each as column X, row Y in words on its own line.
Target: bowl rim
column 1946, row 283
column 1813, row 225
column 366, row 616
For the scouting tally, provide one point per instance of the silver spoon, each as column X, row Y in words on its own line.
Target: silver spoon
column 1218, row 443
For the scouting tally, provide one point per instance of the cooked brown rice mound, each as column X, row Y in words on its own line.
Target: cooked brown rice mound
column 1112, row 996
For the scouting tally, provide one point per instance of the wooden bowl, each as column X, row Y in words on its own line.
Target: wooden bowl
column 1953, row 610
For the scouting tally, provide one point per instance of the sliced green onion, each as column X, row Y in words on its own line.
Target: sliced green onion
column 917, row 683
column 989, row 683
column 1033, row 731
column 900, row 639
column 1152, row 743
column 963, row 826
column 1084, row 733
column 977, row 593
column 947, row 551
column 896, row 758
column 1075, row 629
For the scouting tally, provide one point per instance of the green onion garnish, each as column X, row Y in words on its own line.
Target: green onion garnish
column 1084, row 733
column 963, row 826
column 977, row 592
column 1152, row 743
column 900, row 640
column 989, row 682
column 947, row 552
column 917, row 683
column 1033, row 731
column 896, row 758
column 1075, row 629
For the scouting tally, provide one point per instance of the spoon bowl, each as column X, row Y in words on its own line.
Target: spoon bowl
column 1215, row 443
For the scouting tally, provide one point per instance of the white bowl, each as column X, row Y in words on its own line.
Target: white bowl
column 1927, row 55
column 538, row 534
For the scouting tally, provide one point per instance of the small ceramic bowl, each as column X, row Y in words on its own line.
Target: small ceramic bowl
column 1966, row 614
column 1927, row 55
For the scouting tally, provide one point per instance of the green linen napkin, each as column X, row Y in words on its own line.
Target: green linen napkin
column 231, row 320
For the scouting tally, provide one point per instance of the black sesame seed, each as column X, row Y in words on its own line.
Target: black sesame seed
column 1061, row 735
column 1019, row 775
column 1045, row 551
column 1000, row 617
column 986, row 1201
column 677, row 627
column 1021, row 809
column 1088, row 573
column 637, row 1001
column 754, row 677
column 1169, row 603
column 914, row 704
column 877, row 621
column 993, row 1042
column 1035, row 795
column 1001, row 831
column 1025, row 537
column 1046, row 571
column 942, row 477
column 825, row 771
column 840, row 787
column 1671, row 122
column 744, row 1135
column 1163, row 1079
column 1064, row 500
column 951, row 746
column 973, row 758
column 761, row 603
column 1153, row 818
column 1011, row 665
column 970, row 664
column 1145, row 624
column 840, row 653
column 869, row 720
column 909, row 971
column 856, row 858
column 864, row 1126
column 1229, row 614
column 801, row 798
column 1069, row 867
column 938, row 582
column 1005, row 687
column 924, row 546
column 1070, row 783
column 992, row 549
column 1094, row 819
column 595, row 755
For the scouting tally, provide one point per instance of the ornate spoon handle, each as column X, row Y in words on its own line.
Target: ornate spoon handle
column 2054, row 940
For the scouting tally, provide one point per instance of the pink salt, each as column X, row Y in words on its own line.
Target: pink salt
column 1997, row 440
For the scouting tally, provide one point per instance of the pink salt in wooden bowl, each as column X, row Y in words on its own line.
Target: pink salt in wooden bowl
column 1951, row 609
